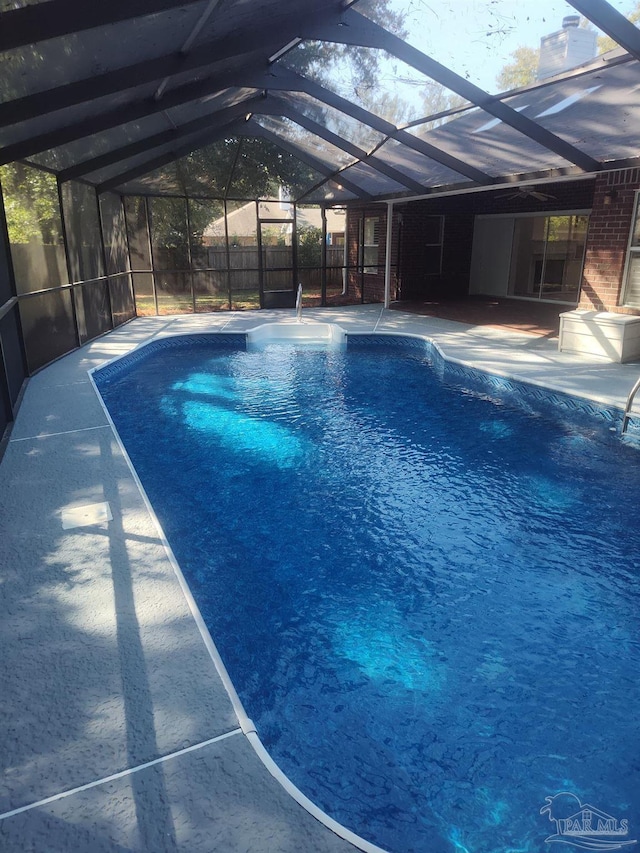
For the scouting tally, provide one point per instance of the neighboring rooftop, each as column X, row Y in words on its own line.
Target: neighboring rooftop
column 242, row 221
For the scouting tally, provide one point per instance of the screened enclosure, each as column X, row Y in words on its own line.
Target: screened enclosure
column 227, row 151
column 83, row 262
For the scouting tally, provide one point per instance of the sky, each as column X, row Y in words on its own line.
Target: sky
column 474, row 37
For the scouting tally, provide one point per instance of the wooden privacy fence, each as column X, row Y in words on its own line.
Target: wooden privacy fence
column 277, row 263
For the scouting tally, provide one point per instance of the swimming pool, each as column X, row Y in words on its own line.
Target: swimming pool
column 426, row 596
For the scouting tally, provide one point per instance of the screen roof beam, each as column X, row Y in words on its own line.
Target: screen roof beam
column 201, row 140
column 264, row 39
column 280, row 108
column 611, row 22
column 283, row 80
column 235, row 127
column 356, row 30
column 148, row 143
column 308, row 159
column 258, row 105
column 210, row 88
column 55, row 18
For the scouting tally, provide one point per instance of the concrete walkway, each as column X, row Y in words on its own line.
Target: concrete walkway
column 117, row 731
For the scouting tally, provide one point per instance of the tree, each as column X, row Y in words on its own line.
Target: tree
column 436, row 98
column 388, row 105
column 354, row 73
column 344, row 68
column 31, row 204
column 255, row 168
column 309, row 246
column 522, row 71
column 606, row 43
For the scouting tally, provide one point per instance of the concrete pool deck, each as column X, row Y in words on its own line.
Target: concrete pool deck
column 117, row 731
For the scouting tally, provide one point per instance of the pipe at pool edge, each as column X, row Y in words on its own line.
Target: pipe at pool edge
column 246, row 724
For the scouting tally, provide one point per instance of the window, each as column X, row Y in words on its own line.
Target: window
column 369, row 247
column 547, row 256
column 631, row 291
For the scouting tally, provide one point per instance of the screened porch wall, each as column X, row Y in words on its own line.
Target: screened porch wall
column 69, row 261
column 13, row 367
column 82, row 263
column 194, row 255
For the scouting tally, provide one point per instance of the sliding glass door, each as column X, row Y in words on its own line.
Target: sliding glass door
column 547, row 257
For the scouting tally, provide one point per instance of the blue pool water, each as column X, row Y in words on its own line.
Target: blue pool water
column 427, row 599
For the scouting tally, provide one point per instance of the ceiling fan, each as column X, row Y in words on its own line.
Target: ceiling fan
column 529, row 192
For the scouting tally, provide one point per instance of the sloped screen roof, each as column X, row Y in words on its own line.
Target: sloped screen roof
column 121, row 94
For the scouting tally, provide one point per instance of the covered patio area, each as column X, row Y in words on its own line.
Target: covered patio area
column 534, row 318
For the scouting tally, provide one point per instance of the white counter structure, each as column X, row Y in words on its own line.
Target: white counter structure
column 614, row 337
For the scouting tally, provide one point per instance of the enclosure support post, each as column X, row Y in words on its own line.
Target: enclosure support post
column 105, row 264
column 150, row 242
column 228, row 253
column 323, row 255
column 190, row 256
column 387, row 256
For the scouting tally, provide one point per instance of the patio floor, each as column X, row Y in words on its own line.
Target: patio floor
column 517, row 315
column 117, row 730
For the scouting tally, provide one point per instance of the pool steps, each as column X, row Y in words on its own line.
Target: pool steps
column 300, row 332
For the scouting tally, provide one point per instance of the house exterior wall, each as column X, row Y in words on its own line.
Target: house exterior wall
column 369, row 287
column 453, row 279
column 409, row 281
column 610, row 197
column 607, row 241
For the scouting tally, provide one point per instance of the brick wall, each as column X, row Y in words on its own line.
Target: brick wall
column 415, row 282
column 607, row 241
column 369, row 287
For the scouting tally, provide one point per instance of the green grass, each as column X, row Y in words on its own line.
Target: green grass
column 243, row 300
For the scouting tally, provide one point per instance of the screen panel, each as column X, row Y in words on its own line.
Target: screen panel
column 6, row 283
column 48, row 327
column 82, row 224
column 35, row 228
column 144, row 293
column 174, row 293
column 114, row 232
column 211, row 291
column 245, row 289
column 168, row 228
column 207, row 234
column 123, row 305
column 13, row 358
column 138, row 232
column 93, row 311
